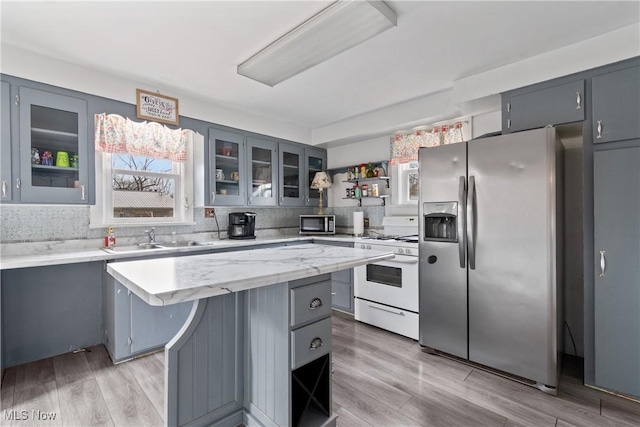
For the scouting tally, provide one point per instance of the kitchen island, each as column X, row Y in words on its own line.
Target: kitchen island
column 256, row 347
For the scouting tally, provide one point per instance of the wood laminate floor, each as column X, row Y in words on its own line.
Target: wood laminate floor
column 379, row 379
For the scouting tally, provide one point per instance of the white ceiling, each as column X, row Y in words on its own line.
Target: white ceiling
column 194, row 47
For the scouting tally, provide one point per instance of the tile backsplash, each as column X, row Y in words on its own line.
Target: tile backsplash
column 30, row 223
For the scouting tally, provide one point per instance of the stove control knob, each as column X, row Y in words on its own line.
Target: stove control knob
column 400, row 251
column 363, row 247
column 368, row 246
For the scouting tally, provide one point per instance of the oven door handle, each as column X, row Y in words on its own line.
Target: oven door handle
column 399, row 261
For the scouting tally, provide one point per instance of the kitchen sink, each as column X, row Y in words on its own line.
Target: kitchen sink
column 132, row 248
column 178, row 244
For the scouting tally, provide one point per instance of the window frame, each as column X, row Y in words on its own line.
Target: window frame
column 101, row 214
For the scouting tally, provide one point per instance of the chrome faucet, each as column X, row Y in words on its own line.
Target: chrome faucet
column 152, row 234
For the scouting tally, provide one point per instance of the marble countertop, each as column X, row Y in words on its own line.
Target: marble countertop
column 165, row 281
column 41, row 254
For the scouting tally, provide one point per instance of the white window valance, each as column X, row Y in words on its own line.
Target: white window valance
column 117, row 134
column 404, row 147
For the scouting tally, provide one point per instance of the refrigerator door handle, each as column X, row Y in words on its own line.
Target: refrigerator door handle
column 471, row 222
column 462, row 203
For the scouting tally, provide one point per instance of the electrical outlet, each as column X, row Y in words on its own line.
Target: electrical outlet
column 209, row 212
column 366, row 222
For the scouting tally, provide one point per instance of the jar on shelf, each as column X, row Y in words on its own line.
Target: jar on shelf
column 374, row 190
column 376, row 172
column 365, row 190
column 35, row 156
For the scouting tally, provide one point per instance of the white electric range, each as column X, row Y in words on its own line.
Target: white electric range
column 386, row 292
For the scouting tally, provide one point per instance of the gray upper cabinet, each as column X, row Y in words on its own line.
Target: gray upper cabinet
column 53, row 144
column 226, row 183
column 616, row 105
column 262, row 161
column 5, row 165
column 315, row 161
column 617, row 271
column 291, row 186
column 550, row 106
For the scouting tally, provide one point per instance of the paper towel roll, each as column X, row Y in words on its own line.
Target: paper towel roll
column 358, row 223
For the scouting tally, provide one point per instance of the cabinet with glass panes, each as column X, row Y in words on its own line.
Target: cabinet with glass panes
column 227, row 176
column 315, row 161
column 262, row 161
column 54, row 162
column 291, row 158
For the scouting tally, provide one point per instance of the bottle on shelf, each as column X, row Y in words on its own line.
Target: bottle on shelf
column 365, row 190
column 363, row 171
column 358, row 192
column 370, row 173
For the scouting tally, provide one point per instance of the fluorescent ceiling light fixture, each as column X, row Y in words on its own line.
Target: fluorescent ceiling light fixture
column 339, row 27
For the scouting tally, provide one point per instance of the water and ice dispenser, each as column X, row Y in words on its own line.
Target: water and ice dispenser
column 440, row 221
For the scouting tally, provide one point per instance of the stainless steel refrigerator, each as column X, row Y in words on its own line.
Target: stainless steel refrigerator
column 491, row 253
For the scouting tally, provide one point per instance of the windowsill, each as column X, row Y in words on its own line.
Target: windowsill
column 140, row 224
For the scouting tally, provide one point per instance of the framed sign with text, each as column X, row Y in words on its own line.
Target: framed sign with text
column 156, row 107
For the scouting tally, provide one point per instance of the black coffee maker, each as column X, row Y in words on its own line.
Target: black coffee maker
column 242, row 225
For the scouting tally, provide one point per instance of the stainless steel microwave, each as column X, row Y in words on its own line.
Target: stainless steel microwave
column 317, row 224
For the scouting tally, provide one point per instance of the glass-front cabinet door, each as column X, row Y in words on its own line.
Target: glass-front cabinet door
column 262, row 161
column 227, row 176
column 53, row 148
column 315, row 161
column 291, row 159
column 6, row 182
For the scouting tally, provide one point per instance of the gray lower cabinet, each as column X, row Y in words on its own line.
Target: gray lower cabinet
column 342, row 290
column 616, row 105
column 617, row 269
column 133, row 327
column 256, row 357
column 51, row 310
column 341, row 283
column 554, row 105
column 291, row 389
column 6, row 181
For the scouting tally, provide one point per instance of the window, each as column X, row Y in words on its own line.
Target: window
column 135, row 188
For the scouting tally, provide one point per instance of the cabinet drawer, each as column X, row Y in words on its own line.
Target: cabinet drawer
column 401, row 322
column 310, row 342
column 310, row 302
column 342, row 297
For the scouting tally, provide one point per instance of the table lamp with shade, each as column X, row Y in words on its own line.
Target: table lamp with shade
column 320, row 182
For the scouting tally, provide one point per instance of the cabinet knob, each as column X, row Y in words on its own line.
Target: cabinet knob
column 315, row 303
column 603, row 263
column 4, row 189
column 82, row 193
column 18, row 183
column 316, row 343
